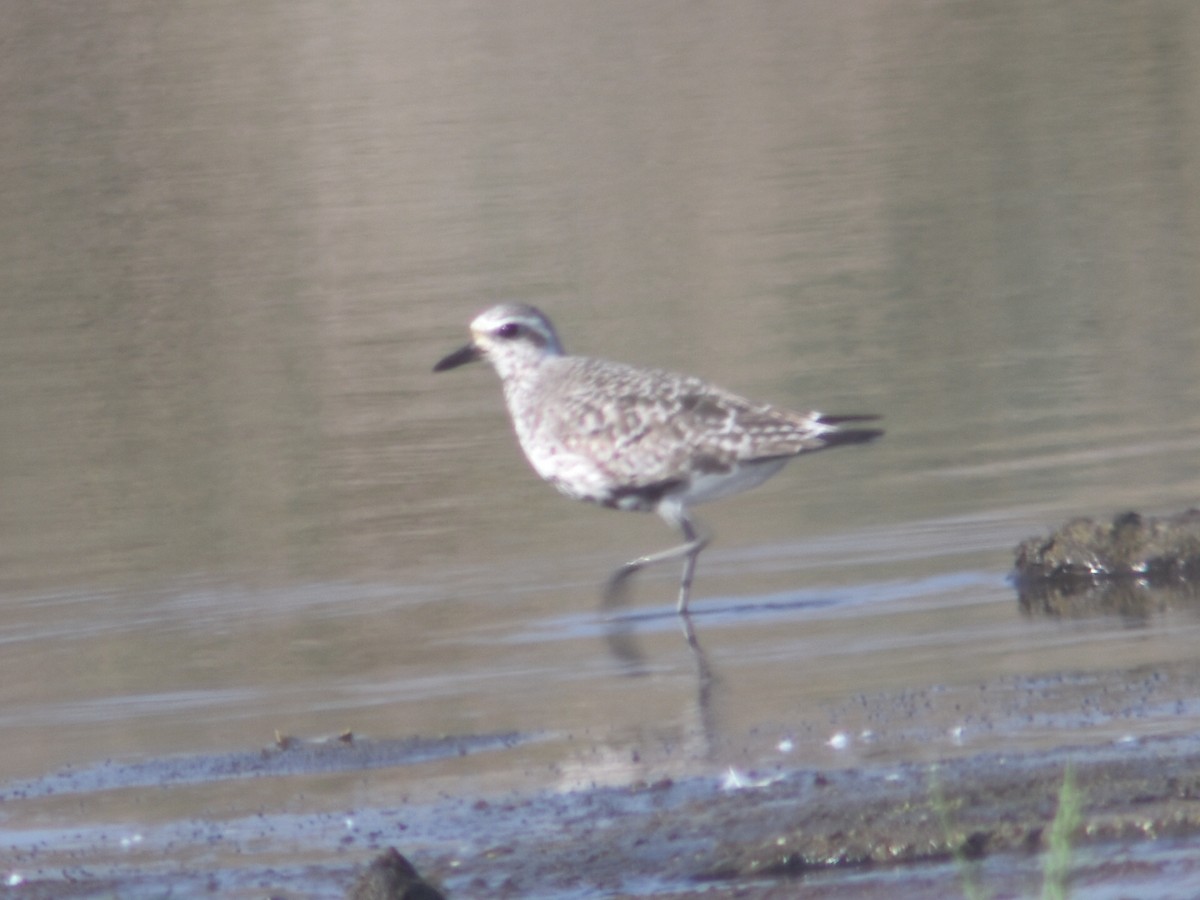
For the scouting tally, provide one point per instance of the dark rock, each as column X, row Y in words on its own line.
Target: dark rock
column 1133, row 566
column 392, row 877
column 1132, row 546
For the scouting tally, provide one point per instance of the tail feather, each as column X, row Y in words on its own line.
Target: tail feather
column 849, row 435
column 826, row 419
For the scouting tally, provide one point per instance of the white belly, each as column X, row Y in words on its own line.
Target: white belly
column 705, row 487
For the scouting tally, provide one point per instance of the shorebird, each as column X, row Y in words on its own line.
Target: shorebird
column 638, row 439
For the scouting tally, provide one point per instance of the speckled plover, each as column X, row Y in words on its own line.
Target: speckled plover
column 638, row 439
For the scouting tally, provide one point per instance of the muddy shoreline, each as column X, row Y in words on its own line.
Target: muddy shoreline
column 883, row 825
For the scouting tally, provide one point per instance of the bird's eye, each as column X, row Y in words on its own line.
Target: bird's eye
column 508, row 330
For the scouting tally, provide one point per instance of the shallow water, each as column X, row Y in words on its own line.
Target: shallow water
column 236, row 500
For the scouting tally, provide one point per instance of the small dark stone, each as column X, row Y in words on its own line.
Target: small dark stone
column 975, row 846
column 392, row 877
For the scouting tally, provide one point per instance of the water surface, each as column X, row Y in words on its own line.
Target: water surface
column 237, row 501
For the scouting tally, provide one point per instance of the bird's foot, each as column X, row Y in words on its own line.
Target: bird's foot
column 615, row 588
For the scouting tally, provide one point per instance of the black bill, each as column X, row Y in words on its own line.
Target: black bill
column 459, row 357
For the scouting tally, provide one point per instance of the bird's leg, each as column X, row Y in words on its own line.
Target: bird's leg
column 695, row 542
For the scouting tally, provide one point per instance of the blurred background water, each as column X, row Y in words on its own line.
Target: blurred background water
column 236, row 237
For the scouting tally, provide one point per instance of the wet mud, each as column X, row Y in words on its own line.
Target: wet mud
column 887, row 826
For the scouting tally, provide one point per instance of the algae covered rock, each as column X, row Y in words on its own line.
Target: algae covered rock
column 1132, row 566
column 1132, row 546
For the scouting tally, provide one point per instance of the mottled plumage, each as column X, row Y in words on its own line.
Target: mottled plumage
column 637, row 439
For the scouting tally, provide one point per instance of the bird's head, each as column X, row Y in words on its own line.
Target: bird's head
column 511, row 336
